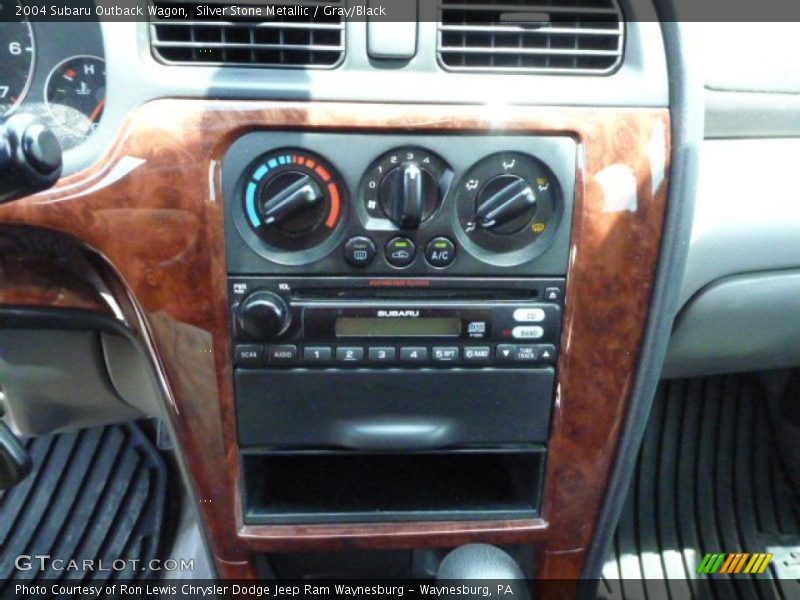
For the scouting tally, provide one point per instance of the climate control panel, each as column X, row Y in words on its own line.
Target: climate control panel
column 398, row 205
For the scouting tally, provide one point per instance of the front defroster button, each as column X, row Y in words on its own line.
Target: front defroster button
column 527, row 332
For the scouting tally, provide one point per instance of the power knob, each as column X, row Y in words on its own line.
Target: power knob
column 263, row 316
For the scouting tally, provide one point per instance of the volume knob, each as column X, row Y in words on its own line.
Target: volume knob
column 263, row 316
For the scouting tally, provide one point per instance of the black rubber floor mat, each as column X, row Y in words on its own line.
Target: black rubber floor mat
column 97, row 495
column 709, row 480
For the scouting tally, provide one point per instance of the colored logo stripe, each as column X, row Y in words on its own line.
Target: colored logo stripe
column 734, row 562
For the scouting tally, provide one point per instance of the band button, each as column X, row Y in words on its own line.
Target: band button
column 527, row 332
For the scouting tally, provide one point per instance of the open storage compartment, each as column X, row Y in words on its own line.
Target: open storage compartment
column 309, row 487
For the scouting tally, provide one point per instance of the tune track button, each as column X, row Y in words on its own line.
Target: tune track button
column 415, row 354
column 382, row 354
column 350, row 354
column 359, row 251
column 400, row 252
column 506, row 353
column 440, row 252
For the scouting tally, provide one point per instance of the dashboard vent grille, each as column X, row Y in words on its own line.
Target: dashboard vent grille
column 296, row 34
column 549, row 36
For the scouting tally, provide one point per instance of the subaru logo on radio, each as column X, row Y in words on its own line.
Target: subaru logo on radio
column 398, row 313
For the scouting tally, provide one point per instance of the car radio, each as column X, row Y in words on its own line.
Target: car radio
column 347, row 322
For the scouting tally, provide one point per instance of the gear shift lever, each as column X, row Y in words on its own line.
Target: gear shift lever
column 482, row 561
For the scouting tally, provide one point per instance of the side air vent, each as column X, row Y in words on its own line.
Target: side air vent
column 548, row 36
column 307, row 34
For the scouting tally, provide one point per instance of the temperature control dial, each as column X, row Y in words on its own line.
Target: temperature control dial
column 404, row 187
column 508, row 206
column 293, row 200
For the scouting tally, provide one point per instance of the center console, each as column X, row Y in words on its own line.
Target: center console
column 396, row 309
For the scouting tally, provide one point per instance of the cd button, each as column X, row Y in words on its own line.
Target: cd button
column 413, row 354
column 350, row 355
column 317, row 354
column 477, row 353
column 382, row 354
column 445, row 353
column 529, row 315
column 527, row 332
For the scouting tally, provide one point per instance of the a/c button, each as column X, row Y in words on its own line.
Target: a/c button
column 440, row 252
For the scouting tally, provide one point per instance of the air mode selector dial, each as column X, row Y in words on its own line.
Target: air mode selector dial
column 263, row 316
column 505, row 205
column 508, row 206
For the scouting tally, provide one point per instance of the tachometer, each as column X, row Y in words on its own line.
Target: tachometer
column 16, row 63
column 76, row 93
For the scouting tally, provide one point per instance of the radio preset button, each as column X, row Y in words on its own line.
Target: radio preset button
column 382, row 354
column 282, row 354
column 317, row 354
column 477, row 354
column 529, row 315
column 359, row 251
column 413, row 354
column 445, row 353
column 440, row 252
column 527, row 332
column 248, row 355
column 400, row 252
column 350, row 354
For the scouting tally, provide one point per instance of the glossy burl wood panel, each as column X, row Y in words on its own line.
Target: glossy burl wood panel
column 153, row 208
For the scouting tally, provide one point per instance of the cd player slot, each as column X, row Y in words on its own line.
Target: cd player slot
column 406, row 294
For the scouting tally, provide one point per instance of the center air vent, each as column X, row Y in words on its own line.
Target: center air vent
column 551, row 36
column 276, row 34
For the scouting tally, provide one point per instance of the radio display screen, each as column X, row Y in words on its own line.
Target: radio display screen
column 398, row 327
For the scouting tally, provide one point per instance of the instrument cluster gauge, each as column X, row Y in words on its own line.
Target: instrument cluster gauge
column 17, row 57
column 76, row 94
